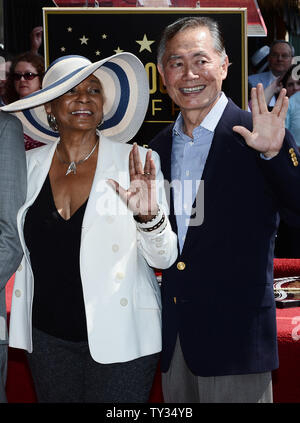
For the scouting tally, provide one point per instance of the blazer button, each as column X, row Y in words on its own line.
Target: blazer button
column 124, row 302
column 120, row 275
column 115, row 248
column 180, row 265
column 17, row 293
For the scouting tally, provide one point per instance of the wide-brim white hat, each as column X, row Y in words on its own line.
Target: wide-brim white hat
column 126, row 93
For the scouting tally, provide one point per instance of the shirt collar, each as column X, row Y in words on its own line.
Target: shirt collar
column 210, row 121
column 272, row 76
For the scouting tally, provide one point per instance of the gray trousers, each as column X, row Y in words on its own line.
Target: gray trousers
column 180, row 385
column 64, row 372
column 3, row 371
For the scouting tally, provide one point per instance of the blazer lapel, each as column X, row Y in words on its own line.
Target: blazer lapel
column 37, row 169
column 217, row 162
column 165, row 153
column 221, row 145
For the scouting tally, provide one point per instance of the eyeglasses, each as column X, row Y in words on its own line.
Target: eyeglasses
column 28, row 76
column 278, row 56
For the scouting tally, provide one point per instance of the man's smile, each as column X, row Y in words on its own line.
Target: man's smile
column 189, row 90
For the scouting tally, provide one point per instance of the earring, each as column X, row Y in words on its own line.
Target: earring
column 52, row 122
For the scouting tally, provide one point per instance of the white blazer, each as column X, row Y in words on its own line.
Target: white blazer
column 120, row 290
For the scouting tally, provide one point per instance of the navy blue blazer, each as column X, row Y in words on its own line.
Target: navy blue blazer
column 222, row 303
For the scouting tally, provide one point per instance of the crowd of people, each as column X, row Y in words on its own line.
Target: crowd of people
column 91, row 221
column 23, row 76
column 281, row 73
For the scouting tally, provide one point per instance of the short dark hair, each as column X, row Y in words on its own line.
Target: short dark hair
column 37, row 62
column 282, row 42
column 192, row 22
column 288, row 74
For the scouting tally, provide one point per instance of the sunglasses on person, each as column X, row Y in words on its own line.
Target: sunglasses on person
column 28, row 76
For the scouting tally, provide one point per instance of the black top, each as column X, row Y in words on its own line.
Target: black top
column 54, row 245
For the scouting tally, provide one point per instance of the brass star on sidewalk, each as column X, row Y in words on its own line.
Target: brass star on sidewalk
column 145, row 44
column 84, row 40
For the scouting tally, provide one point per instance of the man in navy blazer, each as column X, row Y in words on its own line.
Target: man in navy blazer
column 219, row 320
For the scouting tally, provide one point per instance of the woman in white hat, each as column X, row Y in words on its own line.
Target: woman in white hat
column 86, row 303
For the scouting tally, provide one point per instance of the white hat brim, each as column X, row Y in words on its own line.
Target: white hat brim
column 126, row 92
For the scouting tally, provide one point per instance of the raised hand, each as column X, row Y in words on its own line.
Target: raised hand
column 140, row 197
column 36, row 38
column 268, row 127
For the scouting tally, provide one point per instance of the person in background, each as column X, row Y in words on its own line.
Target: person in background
column 219, row 317
column 24, row 78
column 35, row 43
column 93, row 228
column 292, row 121
column 12, row 196
column 279, row 60
column 259, row 60
column 4, row 71
column 36, row 37
column 289, row 81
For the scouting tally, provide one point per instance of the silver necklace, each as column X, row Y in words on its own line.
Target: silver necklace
column 73, row 165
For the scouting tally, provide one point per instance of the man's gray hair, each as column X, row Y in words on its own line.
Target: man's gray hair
column 275, row 42
column 192, row 22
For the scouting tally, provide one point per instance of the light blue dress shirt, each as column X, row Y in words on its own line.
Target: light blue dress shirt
column 266, row 78
column 292, row 121
column 188, row 160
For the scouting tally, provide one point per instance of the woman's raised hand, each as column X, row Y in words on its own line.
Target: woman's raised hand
column 140, row 197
